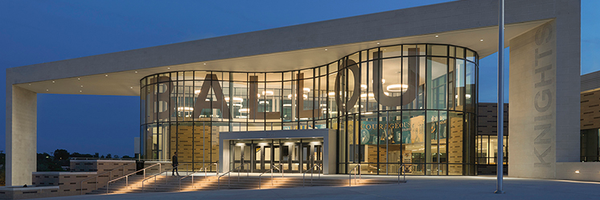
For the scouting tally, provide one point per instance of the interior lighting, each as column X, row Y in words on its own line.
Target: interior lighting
column 268, row 92
column 378, row 43
column 363, row 86
column 168, row 68
column 185, row 109
column 197, row 92
column 81, row 85
column 397, row 88
column 131, row 87
column 79, row 91
column 78, row 79
column 468, row 96
column 46, row 90
column 306, row 90
column 204, row 63
column 235, row 99
column 263, row 102
column 239, row 144
column 325, row 49
column 331, row 93
column 287, row 105
column 244, row 110
column 365, row 95
column 382, row 80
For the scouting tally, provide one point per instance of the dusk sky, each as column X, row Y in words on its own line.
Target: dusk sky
column 38, row 31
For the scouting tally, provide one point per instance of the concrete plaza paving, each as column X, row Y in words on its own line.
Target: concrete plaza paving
column 436, row 187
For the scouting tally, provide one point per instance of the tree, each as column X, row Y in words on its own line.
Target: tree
column 108, row 156
column 61, row 154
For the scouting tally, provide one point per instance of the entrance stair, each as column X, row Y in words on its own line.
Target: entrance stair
column 163, row 183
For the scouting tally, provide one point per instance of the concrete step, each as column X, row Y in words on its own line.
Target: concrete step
column 172, row 184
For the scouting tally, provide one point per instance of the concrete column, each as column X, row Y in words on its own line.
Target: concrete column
column 21, row 135
column 544, row 99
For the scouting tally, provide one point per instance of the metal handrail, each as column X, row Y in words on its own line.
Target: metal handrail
column 403, row 173
column 132, row 173
column 97, row 175
column 204, row 167
column 166, row 171
column 272, row 166
column 311, row 173
column 229, row 175
column 350, row 174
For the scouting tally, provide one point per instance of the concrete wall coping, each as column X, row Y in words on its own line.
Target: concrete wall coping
column 21, row 188
column 127, row 161
column 64, row 173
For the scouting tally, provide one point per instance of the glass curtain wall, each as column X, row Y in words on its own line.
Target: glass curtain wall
column 410, row 105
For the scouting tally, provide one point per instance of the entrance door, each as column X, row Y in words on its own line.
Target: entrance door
column 242, row 157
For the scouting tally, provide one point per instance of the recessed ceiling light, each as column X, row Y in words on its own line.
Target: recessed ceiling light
column 136, row 72
column 378, row 43
column 437, row 36
column 52, row 81
column 80, row 91
column 106, row 75
column 168, row 68
column 325, row 49
column 481, row 40
column 81, row 85
column 46, row 90
column 131, row 87
column 78, row 79
column 30, row 84
column 204, row 63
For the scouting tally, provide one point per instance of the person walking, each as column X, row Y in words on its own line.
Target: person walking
column 175, row 164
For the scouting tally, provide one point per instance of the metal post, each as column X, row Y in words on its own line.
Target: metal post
column 500, row 119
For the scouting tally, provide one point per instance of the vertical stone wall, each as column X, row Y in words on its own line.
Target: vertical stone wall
column 21, row 135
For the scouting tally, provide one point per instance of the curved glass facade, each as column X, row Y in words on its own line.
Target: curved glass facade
column 412, row 104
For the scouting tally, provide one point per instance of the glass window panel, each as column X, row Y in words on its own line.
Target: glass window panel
column 364, row 56
column 391, row 84
column 355, row 57
column 460, row 52
column 437, row 50
column 470, row 55
column 459, row 97
column 451, row 83
column 436, row 80
column 413, row 141
column 470, row 88
column 287, row 101
column 391, row 51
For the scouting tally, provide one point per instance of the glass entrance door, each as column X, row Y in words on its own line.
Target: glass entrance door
column 242, row 156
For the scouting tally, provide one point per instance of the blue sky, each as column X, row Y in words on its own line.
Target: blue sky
column 38, row 31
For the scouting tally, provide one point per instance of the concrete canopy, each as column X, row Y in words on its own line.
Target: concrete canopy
column 463, row 23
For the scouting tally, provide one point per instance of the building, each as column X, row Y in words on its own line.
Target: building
column 383, row 90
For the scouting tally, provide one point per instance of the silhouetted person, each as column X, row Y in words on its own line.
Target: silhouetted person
column 175, row 164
